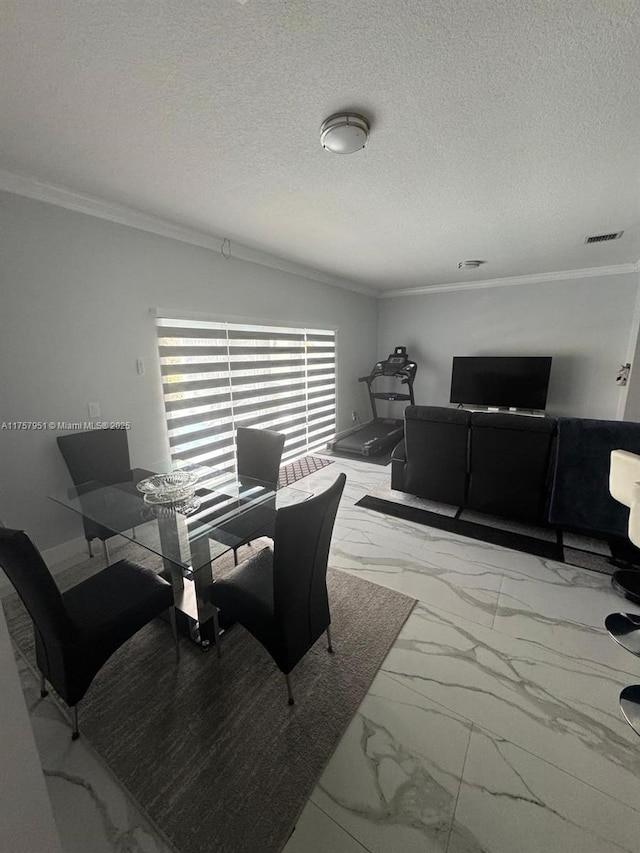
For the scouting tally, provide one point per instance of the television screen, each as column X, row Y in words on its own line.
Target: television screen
column 515, row 382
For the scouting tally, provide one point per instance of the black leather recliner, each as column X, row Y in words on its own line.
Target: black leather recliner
column 499, row 464
column 432, row 460
column 510, row 462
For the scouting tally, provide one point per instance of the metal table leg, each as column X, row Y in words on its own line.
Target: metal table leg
column 190, row 588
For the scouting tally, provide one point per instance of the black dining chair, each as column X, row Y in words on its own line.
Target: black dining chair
column 258, row 455
column 100, row 457
column 280, row 595
column 77, row 631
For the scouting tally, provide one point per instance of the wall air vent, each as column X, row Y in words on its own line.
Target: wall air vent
column 604, row 238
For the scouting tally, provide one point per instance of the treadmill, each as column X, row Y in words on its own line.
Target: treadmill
column 381, row 434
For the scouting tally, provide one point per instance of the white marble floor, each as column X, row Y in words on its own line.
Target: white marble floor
column 493, row 725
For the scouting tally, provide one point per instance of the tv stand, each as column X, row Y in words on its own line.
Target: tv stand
column 531, row 413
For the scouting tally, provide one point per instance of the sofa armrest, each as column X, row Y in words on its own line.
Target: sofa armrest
column 399, row 452
column 398, row 464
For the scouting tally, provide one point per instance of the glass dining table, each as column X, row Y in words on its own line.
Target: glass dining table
column 189, row 536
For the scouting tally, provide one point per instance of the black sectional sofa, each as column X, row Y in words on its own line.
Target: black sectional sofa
column 538, row 470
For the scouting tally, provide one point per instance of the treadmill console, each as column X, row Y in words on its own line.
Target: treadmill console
column 397, row 363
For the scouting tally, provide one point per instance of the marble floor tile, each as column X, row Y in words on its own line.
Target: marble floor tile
column 361, row 478
column 565, row 613
column 493, row 726
column 341, row 530
column 386, row 493
column 503, row 561
column 410, row 562
column 393, row 780
column 586, row 543
column 509, row 525
column 374, row 527
column 558, row 708
column 316, row 832
column 91, row 810
column 482, row 554
column 509, row 800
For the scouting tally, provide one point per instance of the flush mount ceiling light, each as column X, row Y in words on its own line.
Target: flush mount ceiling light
column 469, row 265
column 344, row 133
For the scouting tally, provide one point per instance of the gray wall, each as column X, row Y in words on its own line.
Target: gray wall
column 632, row 402
column 585, row 324
column 75, row 294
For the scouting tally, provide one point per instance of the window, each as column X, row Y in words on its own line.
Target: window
column 217, row 376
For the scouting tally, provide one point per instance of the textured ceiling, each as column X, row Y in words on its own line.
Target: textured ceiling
column 505, row 130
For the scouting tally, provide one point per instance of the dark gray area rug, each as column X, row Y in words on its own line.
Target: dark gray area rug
column 209, row 748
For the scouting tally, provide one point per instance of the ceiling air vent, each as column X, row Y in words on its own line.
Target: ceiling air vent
column 603, row 238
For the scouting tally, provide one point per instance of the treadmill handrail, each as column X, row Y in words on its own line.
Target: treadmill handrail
column 390, row 395
column 405, row 372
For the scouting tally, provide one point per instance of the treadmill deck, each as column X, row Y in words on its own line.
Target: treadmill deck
column 372, row 438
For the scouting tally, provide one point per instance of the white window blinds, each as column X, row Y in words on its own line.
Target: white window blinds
column 217, row 376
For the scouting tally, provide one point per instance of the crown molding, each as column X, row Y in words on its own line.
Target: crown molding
column 513, row 281
column 51, row 194
column 22, row 185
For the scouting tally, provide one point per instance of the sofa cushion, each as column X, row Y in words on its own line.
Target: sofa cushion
column 437, row 414
column 513, row 422
column 580, row 494
column 510, row 457
column 436, row 440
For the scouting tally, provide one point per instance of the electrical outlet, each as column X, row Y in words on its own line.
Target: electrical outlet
column 94, row 410
column 354, row 416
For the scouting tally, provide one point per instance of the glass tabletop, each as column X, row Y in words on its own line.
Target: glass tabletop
column 221, row 514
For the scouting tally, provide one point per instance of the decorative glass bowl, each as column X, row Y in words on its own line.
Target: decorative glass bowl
column 167, row 484
column 172, row 489
column 181, row 507
column 175, row 497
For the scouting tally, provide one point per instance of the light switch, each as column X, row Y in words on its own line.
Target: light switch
column 94, row 410
column 140, row 366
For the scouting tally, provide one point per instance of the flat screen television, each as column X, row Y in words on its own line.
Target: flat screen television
column 514, row 382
